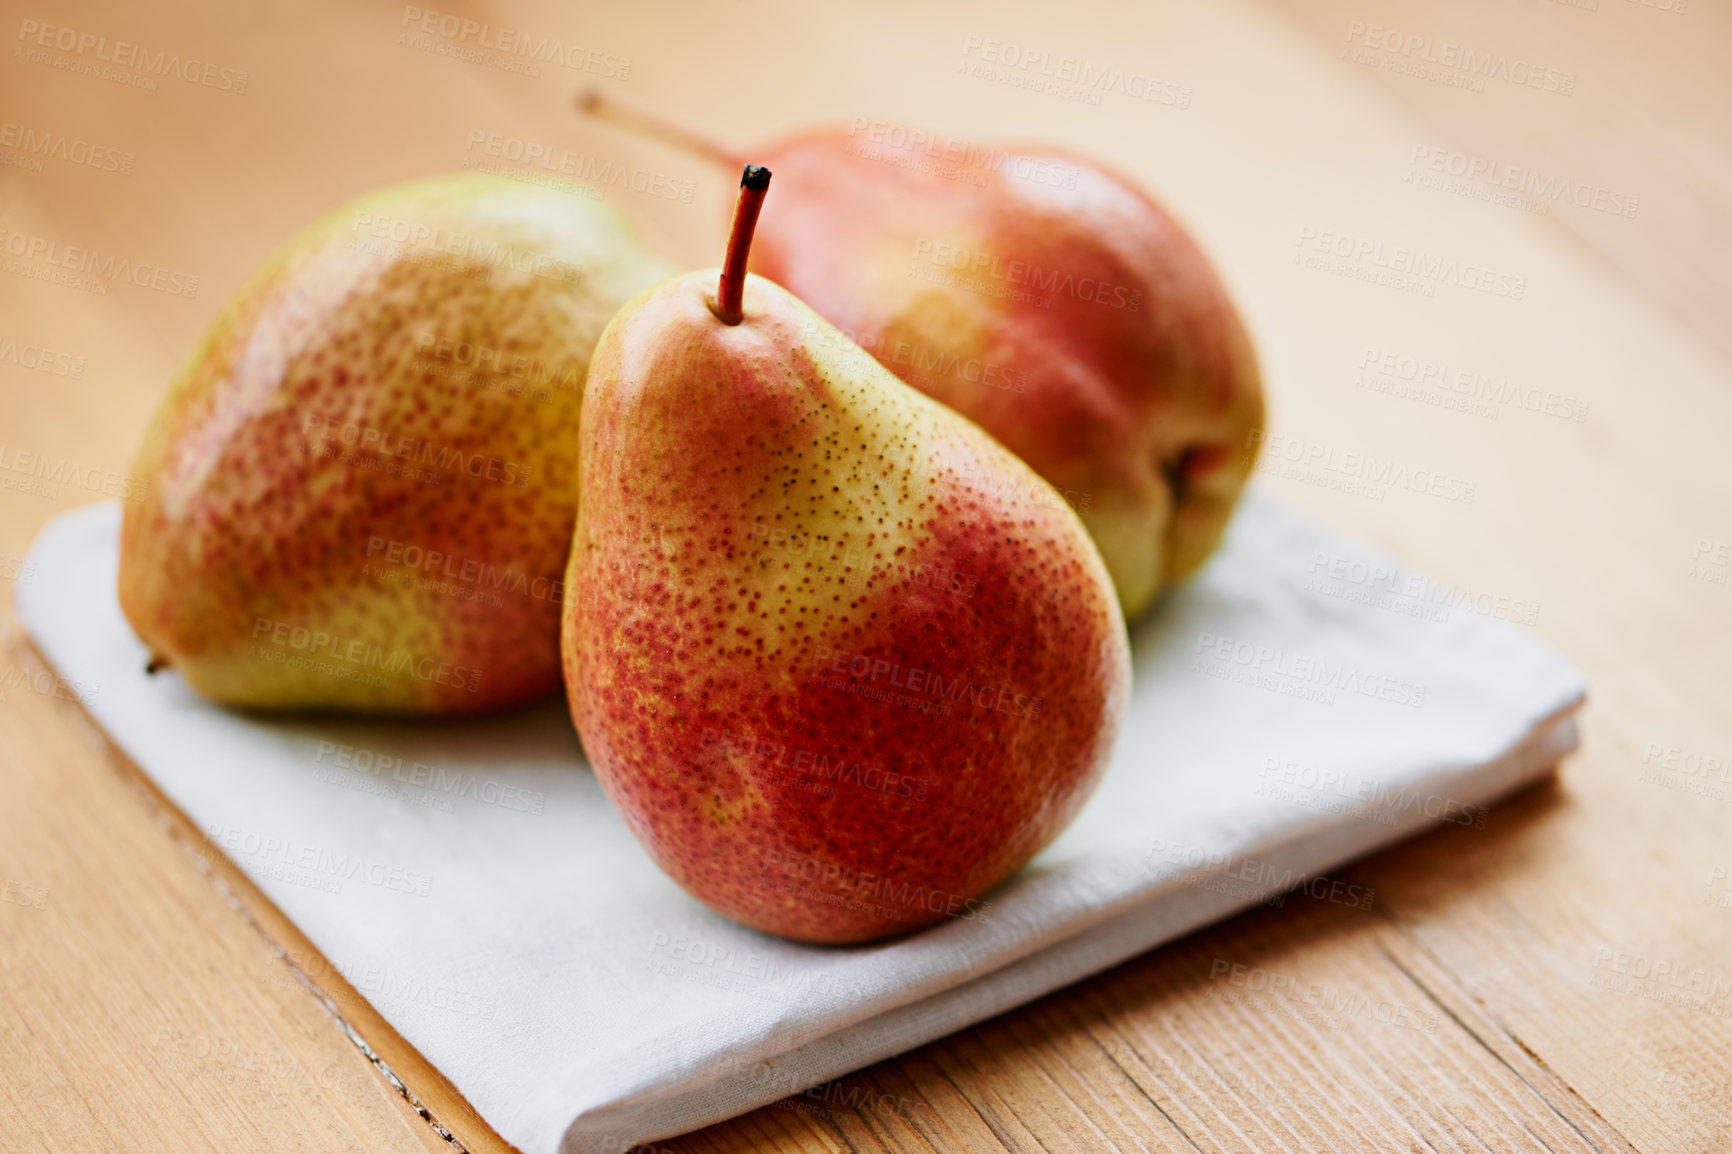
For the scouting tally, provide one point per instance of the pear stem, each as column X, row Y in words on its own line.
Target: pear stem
column 730, row 294
column 603, row 107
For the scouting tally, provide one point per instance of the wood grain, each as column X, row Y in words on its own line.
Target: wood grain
column 141, row 1010
column 1643, row 125
column 1501, row 993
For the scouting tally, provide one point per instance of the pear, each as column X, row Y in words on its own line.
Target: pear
column 841, row 660
column 1041, row 295
column 360, row 488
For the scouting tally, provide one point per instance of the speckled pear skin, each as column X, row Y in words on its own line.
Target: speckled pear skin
column 1084, row 328
column 351, row 506
column 842, row 661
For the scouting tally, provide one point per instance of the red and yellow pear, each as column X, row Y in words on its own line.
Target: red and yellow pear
column 843, row 661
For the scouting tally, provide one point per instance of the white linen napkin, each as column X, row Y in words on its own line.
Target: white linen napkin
column 1298, row 703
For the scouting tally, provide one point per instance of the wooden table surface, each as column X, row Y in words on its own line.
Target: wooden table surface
column 1559, row 980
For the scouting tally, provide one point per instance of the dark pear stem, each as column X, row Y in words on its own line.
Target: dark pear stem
column 730, row 294
column 156, row 664
column 603, row 107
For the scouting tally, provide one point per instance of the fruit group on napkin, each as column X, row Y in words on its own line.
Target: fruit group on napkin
column 842, row 660
column 842, row 621
column 361, row 486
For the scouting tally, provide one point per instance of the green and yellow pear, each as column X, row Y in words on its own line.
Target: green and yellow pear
column 843, row 662
column 361, row 486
